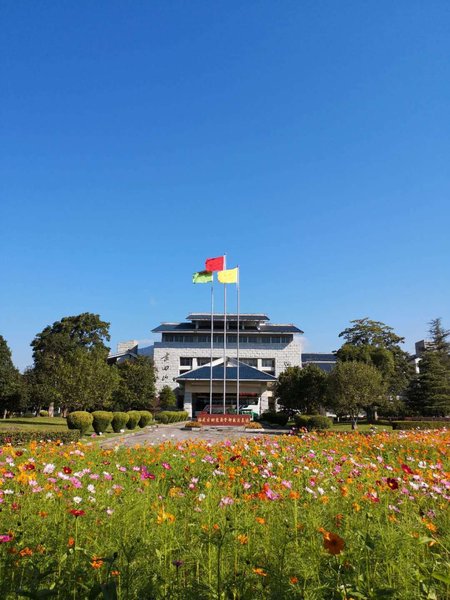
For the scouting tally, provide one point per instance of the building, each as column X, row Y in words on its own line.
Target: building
column 326, row 362
column 183, row 359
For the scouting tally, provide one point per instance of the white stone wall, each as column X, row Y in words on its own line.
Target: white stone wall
column 167, row 357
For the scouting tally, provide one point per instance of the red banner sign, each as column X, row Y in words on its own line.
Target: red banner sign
column 228, row 420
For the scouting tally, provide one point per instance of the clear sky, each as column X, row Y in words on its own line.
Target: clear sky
column 309, row 140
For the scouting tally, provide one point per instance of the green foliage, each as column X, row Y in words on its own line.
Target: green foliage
column 439, row 335
column 302, row 389
column 404, row 425
column 134, row 416
column 146, row 418
column 174, row 416
column 317, row 422
column 301, row 421
column 119, row 421
column 11, row 387
column 136, row 389
column 275, row 418
column 20, row 438
column 43, row 413
column 365, row 332
column 354, row 387
column 80, row 420
column 101, row 421
column 167, row 398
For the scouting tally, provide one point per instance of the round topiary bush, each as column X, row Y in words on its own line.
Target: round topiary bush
column 319, row 422
column 146, row 418
column 302, row 421
column 119, row 421
column 134, row 416
column 254, row 425
column 80, row 419
column 102, row 420
column 43, row 413
column 276, row 418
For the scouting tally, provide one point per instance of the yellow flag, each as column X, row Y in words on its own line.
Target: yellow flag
column 228, row 276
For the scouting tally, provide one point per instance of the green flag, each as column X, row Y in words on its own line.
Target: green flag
column 202, row 277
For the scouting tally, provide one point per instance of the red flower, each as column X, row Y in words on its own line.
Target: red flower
column 29, row 467
column 392, row 483
column 67, row 470
column 77, row 513
column 406, row 469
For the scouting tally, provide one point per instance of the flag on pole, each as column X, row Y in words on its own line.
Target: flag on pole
column 202, row 277
column 228, row 276
column 215, row 264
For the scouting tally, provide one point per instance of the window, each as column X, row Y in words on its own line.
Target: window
column 251, row 362
column 185, row 362
column 204, row 361
column 268, row 363
column 232, row 339
column 276, row 340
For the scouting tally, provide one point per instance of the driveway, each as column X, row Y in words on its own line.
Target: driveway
column 158, row 434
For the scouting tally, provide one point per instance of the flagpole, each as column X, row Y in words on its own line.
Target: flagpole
column 224, row 339
column 237, row 345
column 212, row 347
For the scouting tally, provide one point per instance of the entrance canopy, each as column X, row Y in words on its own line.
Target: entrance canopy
column 246, row 373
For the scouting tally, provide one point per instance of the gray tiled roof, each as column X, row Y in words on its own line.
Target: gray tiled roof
column 246, row 373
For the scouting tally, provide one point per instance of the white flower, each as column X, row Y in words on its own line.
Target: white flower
column 91, row 488
column 49, row 468
column 77, row 499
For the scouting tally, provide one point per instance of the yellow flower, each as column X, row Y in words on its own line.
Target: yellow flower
column 163, row 516
column 243, row 539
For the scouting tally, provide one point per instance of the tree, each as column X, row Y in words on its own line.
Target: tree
column 11, row 389
column 84, row 381
column 376, row 344
column 136, row 390
column 429, row 392
column 302, row 389
column 167, row 398
column 355, row 387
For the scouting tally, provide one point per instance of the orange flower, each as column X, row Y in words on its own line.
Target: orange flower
column 259, row 571
column 26, row 552
column 260, row 520
column 115, row 573
column 242, row 539
column 430, row 526
column 71, row 542
column 293, row 580
column 96, row 562
column 332, row 543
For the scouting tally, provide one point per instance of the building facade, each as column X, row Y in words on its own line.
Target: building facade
column 185, row 348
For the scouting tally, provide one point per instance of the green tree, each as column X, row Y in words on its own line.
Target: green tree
column 429, row 392
column 302, row 389
column 167, row 398
column 376, row 344
column 136, row 390
column 12, row 398
column 355, row 387
column 84, row 381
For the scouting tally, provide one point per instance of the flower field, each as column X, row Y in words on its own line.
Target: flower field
column 335, row 515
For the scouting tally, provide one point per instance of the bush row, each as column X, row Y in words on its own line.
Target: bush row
column 275, row 418
column 100, row 420
column 16, row 438
column 171, row 416
column 312, row 422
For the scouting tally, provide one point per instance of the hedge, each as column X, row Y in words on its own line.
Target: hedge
column 134, row 416
column 171, row 416
column 102, row 420
column 146, row 418
column 80, row 419
column 276, row 418
column 419, row 424
column 16, row 438
column 119, row 421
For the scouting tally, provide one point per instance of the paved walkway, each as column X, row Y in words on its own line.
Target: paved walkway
column 174, row 433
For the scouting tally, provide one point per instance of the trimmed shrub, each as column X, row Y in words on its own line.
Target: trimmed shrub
column 419, row 424
column 254, row 425
column 302, row 421
column 319, row 422
column 43, row 413
column 134, row 416
column 119, row 421
column 275, row 418
column 20, row 438
column 171, row 416
column 193, row 425
column 146, row 418
column 102, row 420
column 80, row 419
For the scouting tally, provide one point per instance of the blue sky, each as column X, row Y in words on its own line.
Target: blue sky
column 310, row 141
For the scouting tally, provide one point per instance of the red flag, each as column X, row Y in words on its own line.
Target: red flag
column 215, row 264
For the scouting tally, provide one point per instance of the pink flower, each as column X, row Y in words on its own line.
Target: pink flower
column 166, row 466
column 6, row 538
column 226, row 501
